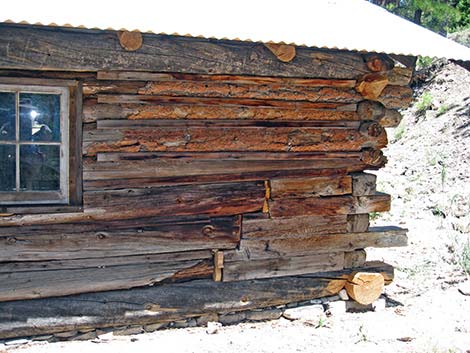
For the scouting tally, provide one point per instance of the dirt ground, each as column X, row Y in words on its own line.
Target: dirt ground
column 428, row 175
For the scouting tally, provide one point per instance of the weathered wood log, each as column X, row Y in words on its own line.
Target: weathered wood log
column 183, row 200
column 396, row 97
column 133, row 271
column 365, row 288
column 333, row 205
column 244, row 156
column 258, row 80
column 229, row 139
column 302, row 187
column 217, row 89
column 378, row 62
column 363, row 184
column 289, row 111
column 356, row 258
column 286, row 266
column 256, row 249
column 400, row 76
column 358, row 223
column 209, row 101
column 88, row 50
column 370, row 110
column 293, row 227
column 371, row 86
column 374, row 158
column 118, row 238
column 161, row 303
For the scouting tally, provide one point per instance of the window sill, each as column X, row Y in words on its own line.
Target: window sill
column 12, row 210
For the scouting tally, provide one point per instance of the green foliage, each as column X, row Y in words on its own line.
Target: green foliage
column 423, row 62
column 424, row 103
column 440, row 16
column 400, row 131
column 442, row 109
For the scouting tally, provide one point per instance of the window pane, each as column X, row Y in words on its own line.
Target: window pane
column 39, row 117
column 39, row 167
column 7, row 168
column 7, row 116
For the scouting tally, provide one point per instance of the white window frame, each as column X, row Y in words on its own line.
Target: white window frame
column 29, row 197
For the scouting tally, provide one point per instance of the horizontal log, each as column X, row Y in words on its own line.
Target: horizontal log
column 228, row 198
column 103, row 277
column 93, row 112
column 255, row 249
column 118, row 238
column 93, row 50
column 370, row 110
column 259, row 80
column 182, row 200
column 396, row 97
column 161, row 303
column 333, row 205
column 288, row 266
column 208, row 101
column 244, row 156
column 293, row 227
column 308, row 187
column 229, row 140
column 154, row 172
column 279, row 90
column 111, row 124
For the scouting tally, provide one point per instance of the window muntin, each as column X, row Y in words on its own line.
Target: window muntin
column 34, row 167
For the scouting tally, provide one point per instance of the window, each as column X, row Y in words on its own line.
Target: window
column 35, row 144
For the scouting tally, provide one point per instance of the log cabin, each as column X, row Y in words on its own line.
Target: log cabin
column 148, row 177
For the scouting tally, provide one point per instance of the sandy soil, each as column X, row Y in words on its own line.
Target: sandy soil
column 429, row 177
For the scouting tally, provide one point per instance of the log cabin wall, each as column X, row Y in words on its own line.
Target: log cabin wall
column 220, row 162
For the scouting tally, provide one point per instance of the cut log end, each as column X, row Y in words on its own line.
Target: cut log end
column 130, row 41
column 283, row 52
column 365, row 288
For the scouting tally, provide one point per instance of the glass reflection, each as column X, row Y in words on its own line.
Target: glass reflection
column 7, row 116
column 39, row 117
column 7, row 168
column 39, row 167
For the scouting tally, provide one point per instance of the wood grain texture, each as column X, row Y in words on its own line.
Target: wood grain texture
column 334, row 205
column 88, row 50
column 92, row 111
column 235, row 79
column 358, row 223
column 117, row 238
column 165, row 303
column 182, row 200
column 309, row 187
column 102, row 277
column 229, row 140
column 286, row 266
column 356, row 258
column 255, row 249
column 293, row 227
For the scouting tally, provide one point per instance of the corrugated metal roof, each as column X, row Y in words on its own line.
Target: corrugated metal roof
column 335, row 24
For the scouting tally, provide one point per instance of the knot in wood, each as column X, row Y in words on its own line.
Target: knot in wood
column 208, row 230
column 11, row 240
column 101, row 235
